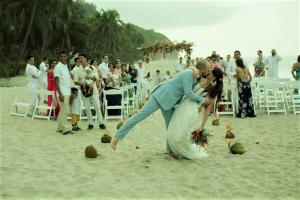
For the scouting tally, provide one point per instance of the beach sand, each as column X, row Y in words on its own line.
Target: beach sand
column 38, row 163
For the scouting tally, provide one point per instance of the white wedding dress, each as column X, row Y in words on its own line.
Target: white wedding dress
column 183, row 122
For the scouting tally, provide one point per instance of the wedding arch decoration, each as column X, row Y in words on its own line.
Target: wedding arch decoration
column 167, row 47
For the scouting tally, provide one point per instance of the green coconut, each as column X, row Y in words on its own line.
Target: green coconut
column 119, row 125
column 91, row 152
column 105, row 138
column 237, row 148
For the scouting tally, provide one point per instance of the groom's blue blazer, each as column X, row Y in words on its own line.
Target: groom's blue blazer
column 170, row 93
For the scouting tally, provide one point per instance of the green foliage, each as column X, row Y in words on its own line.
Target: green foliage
column 44, row 27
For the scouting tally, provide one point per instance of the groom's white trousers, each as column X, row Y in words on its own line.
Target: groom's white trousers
column 150, row 107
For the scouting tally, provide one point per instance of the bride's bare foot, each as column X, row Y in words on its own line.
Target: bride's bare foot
column 113, row 143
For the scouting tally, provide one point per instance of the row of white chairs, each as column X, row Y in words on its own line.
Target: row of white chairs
column 130, row 100
column 279, row 96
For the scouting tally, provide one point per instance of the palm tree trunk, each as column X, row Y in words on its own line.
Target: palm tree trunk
column 43, row 45
column 29, row 28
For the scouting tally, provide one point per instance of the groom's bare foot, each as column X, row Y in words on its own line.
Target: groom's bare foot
column 113, row 143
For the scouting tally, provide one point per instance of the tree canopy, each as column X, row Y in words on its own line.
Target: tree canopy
column 43, row 27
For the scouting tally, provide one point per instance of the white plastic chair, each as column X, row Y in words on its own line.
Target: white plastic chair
column 296, row 97
column 17, row 103
column 275, row 100
column 228, row 101
column 42, row 105
column 120, row 107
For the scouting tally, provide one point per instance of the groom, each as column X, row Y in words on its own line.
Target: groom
column 165, row 97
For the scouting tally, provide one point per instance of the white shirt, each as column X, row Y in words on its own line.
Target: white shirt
column 273, row 62
column 62, row 72
column 230, row 68
column 33, row 75
column 75, row 106
column 142, row 73
column 179, row 67
column 73, row 71
column 103, row 67
column 43, row 70
column 157, row 79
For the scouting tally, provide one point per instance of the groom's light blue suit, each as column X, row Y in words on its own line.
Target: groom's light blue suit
column 165, row 97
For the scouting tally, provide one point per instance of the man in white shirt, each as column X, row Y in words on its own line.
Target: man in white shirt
column 76, row 67
column 179, row 66
column 62, row 81
column 141, row 79
column 33, row 83
column 103, row 67
column 44, row 69
column 237, row 56
column 94, row 99
column 273, row 62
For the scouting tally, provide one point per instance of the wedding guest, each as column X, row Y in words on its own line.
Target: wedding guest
column 296, row 69
column 230, row 68
column 75, row 68
column 51, row 87
column 75, row 105
column 133, row 73
column 141, row 79
column 126, row 78
column 157, row 78
column 94, row 98
column 237, row 56
column 62, row 81
column 273, row 62
column 44, row 69
column 245, row 105
column 103, row 67
column 113, row 77
column 179, row 66
column 260, row 54
column 33, row 84
column 215, row 62
column 259, row 67
column 167, row 76
column 113, row 82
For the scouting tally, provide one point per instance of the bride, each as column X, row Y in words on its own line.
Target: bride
column 185, row 116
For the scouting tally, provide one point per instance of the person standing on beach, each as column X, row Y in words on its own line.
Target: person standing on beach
column 296, row 68
column 44, row 69
column 62, row 81
column 273, row 64
column 245, row 105
column 259, row 67
column 33, row 83
column 179, row 66
column 103, row 67
column 94, row 99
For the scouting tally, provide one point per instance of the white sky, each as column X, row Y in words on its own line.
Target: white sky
column 223, row 26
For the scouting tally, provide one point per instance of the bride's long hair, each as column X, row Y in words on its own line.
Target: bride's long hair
column 216, row 89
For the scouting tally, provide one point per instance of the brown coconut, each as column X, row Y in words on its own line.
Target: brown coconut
column 91, row 152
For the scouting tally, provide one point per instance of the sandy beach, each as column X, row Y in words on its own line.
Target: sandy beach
column 38, row 163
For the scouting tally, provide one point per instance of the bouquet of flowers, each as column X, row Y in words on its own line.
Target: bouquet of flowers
column 199, row 137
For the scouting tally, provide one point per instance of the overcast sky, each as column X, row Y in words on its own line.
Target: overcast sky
column 223, row 26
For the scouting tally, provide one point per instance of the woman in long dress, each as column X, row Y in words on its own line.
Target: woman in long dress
column 243, row 76
column 51, row 87
column 184, row 119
